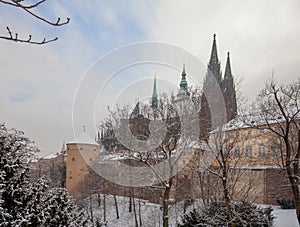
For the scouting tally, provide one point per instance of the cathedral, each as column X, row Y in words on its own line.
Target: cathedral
column 227, row 87
column 226, row 84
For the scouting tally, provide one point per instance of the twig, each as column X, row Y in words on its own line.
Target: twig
column 29, row 40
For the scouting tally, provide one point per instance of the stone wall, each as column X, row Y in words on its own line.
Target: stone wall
column 277, row 185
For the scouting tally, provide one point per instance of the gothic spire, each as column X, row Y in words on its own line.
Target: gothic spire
column 228, row 74
column 214, row 63
column 154, row 95
column 228, row 90
column 183, row 93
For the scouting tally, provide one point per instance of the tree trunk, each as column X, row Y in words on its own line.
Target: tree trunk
column 140, row 215
column 227, row 198
column 296, row 172
column 134, row 210
column 295, row 190
column 116, row 206
column 130, row 201
column 165, row 205
column 293, row 173
column 104, row 207
column 99, row 199
column 91, row 211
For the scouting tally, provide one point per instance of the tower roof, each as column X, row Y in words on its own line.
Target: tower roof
column 214, row 63
column 84, row 138
column 214, row 53
column 228, row 73
column 183, row 93
column 154, row 95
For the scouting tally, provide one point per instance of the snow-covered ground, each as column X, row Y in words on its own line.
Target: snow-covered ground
column 285, row 218
column 151, row 213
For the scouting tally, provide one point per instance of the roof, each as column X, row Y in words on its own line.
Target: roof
column 83, row 138
column 50, row 156
column 259, row 119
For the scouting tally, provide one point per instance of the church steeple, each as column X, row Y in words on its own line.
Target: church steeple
column 183, row 93
column 228, row 90
column 228, row 74
column 214, row 68
column 154, row 95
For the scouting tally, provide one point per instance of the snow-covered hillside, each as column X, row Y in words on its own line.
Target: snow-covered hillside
column 151, row 213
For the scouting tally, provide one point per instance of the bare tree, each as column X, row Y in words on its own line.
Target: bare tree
column 29, row 8
column 278, row 109
column 162, row 159
column 227, row 177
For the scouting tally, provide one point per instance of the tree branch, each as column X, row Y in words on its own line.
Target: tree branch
column 29, row 40
column 57, row 23
column 14, row 3
column 27, row 8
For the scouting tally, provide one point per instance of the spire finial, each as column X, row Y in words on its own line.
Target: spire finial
column 228, row 54
column 214, row 36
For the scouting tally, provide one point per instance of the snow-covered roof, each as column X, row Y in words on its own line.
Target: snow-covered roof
column 259, row 119
column 83, row 138
column 50, row 156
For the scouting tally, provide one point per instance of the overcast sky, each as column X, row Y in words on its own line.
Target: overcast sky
column 38, row 83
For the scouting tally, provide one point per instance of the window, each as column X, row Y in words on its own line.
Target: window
column 237, row 152
column 73, row 159
column 227, row 135
column 237, row 134
column 226, row 152
column 81, row 148
column 261, row 131
column 248, row 151
column 261, row 150
column 249, row 132
column 275, row 151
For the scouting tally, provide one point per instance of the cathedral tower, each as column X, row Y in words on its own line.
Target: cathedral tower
column 227, row 87
column 214, row 65
column 228, row 90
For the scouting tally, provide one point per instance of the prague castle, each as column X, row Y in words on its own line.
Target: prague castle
column 78, row 175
